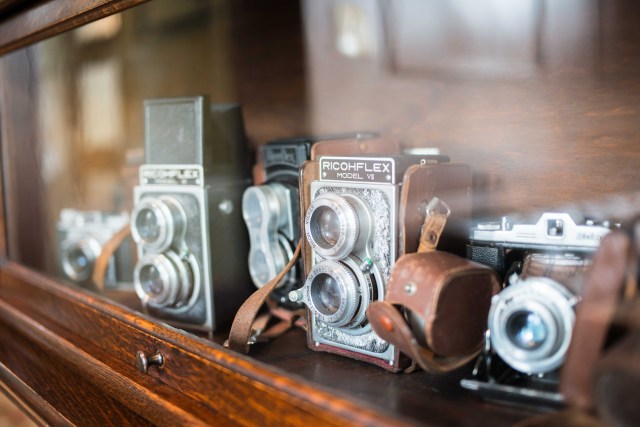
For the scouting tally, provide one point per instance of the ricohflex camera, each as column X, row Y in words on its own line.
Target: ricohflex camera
column 81, row 236
column 192, row 244
column 531, row 320
column 352, row 226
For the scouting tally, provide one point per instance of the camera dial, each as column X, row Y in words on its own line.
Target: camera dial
column 531, row 323
column 335, row 223
column 163, row 280
column 78, row 258
column 338, row 293
column 157, row 223
column 265, row 210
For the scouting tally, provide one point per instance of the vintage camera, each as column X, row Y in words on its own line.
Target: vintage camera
column 352, row 228
column 192, row 244
column 81, row 236
column 271, row 210
column 531, row 320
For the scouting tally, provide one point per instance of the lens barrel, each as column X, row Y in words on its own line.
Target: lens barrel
column 530, row 324
column 157, row 222
column 163, row 280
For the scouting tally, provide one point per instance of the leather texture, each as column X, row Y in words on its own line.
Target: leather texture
column 355, row 147
column 450, row 295
column 244, row 326
column 108, row 250
column 603, row 291
column 451, row 183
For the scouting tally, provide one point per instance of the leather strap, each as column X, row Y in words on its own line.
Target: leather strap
column 244, row 330
column 108, row 250
column 604, row 288
column 435, row 220
column 391, row 326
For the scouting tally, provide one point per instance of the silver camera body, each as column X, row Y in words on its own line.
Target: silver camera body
column 531, row 320
column 81, row 237
column 352, row 228
column 272, row 214
column 191, row 241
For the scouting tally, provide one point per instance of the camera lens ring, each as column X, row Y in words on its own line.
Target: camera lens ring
column 552, row 303
column 168, row 219
column 343, row 281
column 262, row 210
column 90, row 249
column 331, row 208
column 175, row 275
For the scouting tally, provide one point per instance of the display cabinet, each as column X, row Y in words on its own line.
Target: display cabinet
column 540, row 98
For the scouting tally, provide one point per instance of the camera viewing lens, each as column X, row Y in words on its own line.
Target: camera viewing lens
column 333, row 224
column 158, row 222
column 526, row 330
column 325, row 227
column 151, row 280
column 325, row 293
column 147, row 225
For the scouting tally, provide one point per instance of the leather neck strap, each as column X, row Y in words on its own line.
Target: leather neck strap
column 612, row 277
column 246, row 325
column 108, row 249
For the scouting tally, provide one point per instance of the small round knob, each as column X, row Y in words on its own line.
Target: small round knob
column 143, row 362
column 296, row 295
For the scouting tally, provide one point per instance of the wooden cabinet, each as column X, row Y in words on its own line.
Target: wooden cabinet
column 555, row 125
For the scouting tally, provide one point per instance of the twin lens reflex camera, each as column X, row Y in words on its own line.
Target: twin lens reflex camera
column 351, row 226
column 531, row 321
column 192, row 244
column 81, row 237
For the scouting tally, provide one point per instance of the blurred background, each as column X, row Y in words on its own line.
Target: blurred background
column 541, row 98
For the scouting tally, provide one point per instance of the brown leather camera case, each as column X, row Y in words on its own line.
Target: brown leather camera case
column 450, row 295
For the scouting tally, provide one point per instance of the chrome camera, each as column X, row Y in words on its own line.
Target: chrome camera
column 185, row 214
column 351, row 227
column 81, row 237
column 271, row 212
column 531, row 320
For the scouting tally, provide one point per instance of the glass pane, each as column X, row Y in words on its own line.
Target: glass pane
column 539, row 98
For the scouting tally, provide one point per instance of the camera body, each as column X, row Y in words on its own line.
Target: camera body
column 500, row 244
column 352, row 228
column 81, row 236
column 531, row 320
column 191, row 241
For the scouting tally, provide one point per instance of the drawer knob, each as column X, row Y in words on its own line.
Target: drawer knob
column 143, row 362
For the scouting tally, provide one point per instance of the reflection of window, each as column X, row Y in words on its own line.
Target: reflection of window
column 357, row 28
column 104, row 29
column 100, row 103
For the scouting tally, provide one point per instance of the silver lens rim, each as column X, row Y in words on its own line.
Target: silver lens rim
column 348, row 286
column 171, row 220
column 90, row 247
column 269, row 201
column 347, row 218
column 178, row 280
column 554, row 304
